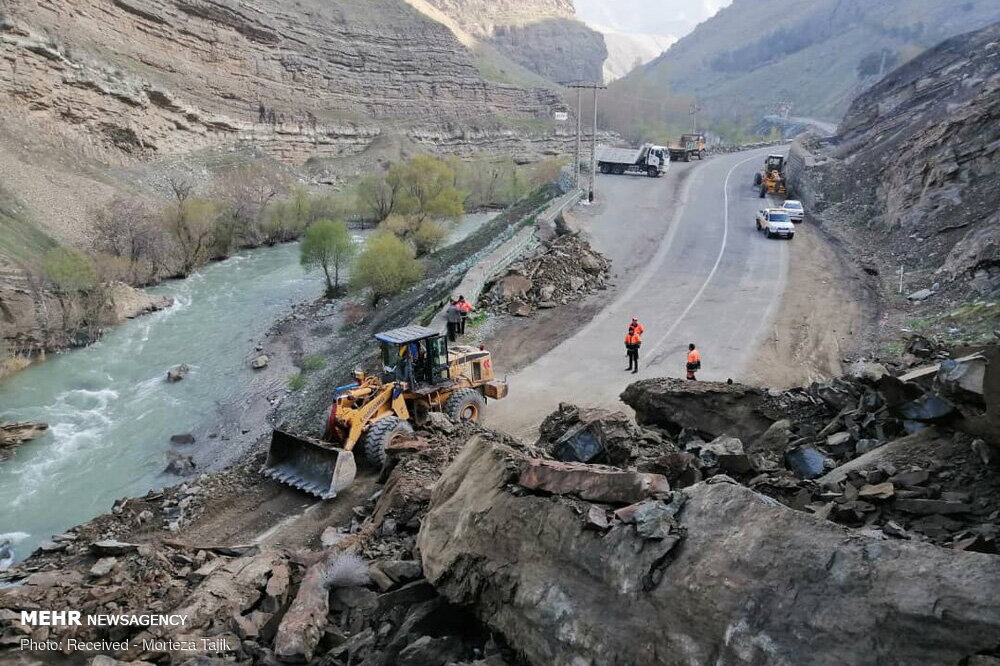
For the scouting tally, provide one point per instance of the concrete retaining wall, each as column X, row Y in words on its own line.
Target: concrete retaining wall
column 477, row 277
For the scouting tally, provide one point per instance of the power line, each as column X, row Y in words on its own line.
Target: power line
column 593, row 148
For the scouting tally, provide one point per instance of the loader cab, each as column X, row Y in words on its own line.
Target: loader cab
column 775, row 163
column 427, row 348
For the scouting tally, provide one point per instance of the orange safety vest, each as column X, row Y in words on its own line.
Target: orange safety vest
column 632, row 339
column 639, row 330
column 694, row 358
column 464, row 306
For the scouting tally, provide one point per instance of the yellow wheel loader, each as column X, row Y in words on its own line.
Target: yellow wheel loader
column 421, row 374
column 771, row 180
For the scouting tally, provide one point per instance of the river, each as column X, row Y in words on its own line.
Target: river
column 110, row 410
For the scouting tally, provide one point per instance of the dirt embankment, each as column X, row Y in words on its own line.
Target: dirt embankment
column 827, row 315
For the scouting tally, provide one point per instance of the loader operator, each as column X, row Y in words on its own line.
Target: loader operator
column 632, row 344
column 693, row 361
column 404, row 368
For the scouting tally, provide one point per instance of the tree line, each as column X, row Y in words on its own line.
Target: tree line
column 413, row 203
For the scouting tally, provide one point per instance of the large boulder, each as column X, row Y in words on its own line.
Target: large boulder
column 714, row 408
column 752, row 582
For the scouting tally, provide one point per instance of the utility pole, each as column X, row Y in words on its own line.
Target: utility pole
column 593, row 148
column 694, row 112
column 579, row 141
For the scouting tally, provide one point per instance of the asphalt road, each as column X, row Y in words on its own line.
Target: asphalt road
column 691, row 266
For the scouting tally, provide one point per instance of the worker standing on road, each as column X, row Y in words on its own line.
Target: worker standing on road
column 639, row 330
column 454, row 318
column 693, row 361
column 464, row 308
column 632, row 344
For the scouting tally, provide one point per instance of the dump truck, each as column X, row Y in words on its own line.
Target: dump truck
column 648, row 160
column 421, row 373
column 687, row 146
column 771, row 179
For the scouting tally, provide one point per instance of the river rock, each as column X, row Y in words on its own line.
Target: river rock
column 179, row 464
column 260, row 362
column 178, row 372
column 752, row 582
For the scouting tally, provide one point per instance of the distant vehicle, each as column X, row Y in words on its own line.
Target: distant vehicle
column 649, row 160
column 794, row 209
column 687, row 147
column 775, row 222
column 771, row 179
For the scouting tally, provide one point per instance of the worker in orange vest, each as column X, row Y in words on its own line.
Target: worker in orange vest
column 639, row 330
column 464, row 308
column 632, row 344
column 693, row 362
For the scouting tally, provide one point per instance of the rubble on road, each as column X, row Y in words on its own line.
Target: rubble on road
column 878, row 497
column 562, row 270
column 717, row 574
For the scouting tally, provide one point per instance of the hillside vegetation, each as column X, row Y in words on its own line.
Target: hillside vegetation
column 810, row 59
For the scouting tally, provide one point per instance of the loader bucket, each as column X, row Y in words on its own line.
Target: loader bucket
column 308, row 464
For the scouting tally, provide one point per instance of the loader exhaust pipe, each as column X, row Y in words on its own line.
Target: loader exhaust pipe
column 309, row 464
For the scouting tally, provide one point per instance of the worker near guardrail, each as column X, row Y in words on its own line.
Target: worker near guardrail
column 464, row 308
column 632, row 343
column 453, row 316
column 693, row 361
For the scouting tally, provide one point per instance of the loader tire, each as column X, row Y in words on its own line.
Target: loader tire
column 756, row 179
column 380, row 434
column 465, row 405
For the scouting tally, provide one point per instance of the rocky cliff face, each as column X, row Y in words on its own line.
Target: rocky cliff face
column 916, row 166
column 150, row 78
column 544, row 37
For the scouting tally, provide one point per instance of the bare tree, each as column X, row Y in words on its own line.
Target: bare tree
column 247, row 191
column 127, row 228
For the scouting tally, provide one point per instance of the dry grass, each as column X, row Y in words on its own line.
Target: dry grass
column 13, row 362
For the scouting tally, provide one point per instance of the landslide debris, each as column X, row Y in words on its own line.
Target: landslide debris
column 716, row 540
column 713, row 573
column 562, row 270
column 359, row 597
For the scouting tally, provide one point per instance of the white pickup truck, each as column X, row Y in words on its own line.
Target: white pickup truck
column 775, row 222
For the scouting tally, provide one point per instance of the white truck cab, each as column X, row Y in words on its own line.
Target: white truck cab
column 775, row 222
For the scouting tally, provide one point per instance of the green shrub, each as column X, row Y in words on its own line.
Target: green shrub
column 387, row 266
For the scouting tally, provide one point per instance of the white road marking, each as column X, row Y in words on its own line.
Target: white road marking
column 718, row 260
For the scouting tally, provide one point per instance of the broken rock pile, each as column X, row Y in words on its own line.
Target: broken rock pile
column 361, row 598
column 712, row 573
column 563, row 270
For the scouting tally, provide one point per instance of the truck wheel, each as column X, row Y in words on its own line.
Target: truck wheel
column 620, row 170
column 604, row 168
column 380, row 434
column 687, row 157
column 758, row 225
column 652, row 172
column 769, row 234
column 465, row 405
column 756, row 179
